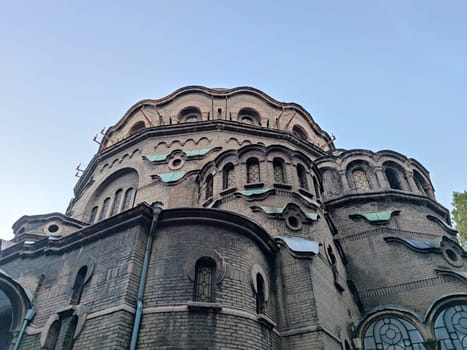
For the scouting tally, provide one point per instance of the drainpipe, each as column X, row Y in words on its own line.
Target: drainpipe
column 27, row 318
column 156, row 210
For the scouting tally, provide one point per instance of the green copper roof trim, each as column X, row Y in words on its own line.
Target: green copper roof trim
column 171, row 177
column 312, row 216
column 198, row 152
column 255, row 191
column 275, row 210
column 377, row 216
column 157, row 157
column 192, row 153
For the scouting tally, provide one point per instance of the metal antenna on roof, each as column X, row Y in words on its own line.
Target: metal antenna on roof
column 79, row 171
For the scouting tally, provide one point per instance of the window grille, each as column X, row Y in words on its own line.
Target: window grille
column 204, row 286
column 450, row 328
column 253, row 174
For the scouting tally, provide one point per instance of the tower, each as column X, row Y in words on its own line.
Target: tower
column 222, row 218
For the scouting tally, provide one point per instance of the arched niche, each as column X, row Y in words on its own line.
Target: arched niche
column 14, row 302
column 116, row 193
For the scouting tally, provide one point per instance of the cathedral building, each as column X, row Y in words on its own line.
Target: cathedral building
column 225, row 219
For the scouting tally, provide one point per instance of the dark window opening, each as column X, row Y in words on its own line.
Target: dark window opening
column 93, row 215
column 128, row 200
column 137, row 127
column 204, row 286
column 190, row 114
column 52, row 336
column 317, row 188
column 78, row 286
column 297, row 131
column 228, row 176
column 253, row 172
column 105, row 208
column 279, row 171
column 260, row 295
column 209, row 186
column 117, row 201
column 393, row 179
column 302, row 180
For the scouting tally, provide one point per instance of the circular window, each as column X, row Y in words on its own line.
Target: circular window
column 451, row 254
column 293, row 222
column 176, row 163
column 52, row 228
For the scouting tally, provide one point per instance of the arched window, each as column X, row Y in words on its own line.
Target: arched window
column 78, row 286
column 393, row 178
column 392, row 333
column 420, row 182
column 93, row 214
column 137, row 127
column 360, row 180
column 298, row 131
column 228, row 176
column 317, row 188
column 117, row 201
column 6, row 320
column 450, row 328
column 190, row 114
column 209, row 186
column 260, row 295
column 128, row 200
column 346, row 345
column 249, row 116
column 205, row 286
column 52, row 335
column 302, row 180
column 252, row 168
column 105, row 208
column 279, row 170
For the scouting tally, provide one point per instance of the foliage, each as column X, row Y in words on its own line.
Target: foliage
column 459, row 213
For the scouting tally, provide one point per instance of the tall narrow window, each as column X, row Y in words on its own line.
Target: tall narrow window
column 204, row 286
column 78, row 286
column 317, row 188
column 228, row 176
column 260, row 295
column 93, row 214
column 301, row 173
column 209, row 186
column 393, row 178
column 128, row 200
column 105, row 208
column 420, row 182
column 252, row 168
column 52, row 335
column 117, row 201
column 279, row 171
column 360, row 180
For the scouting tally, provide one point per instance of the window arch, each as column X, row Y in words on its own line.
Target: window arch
column 301, row 174
column 420, row 182
column 393, row 178
column 253, row 171
column 52, row 335
column 317, row 188
column 299, row 132
column 137, row 127
column 450, row 327
column 228, row 176
column 93, row 214
column 128, row 200
column 78, row 286
column 360, row 180
column 279, row 170
column 391, row 332
column 205, row 277
column 117, row 201
column 249, row 116
column 260, row 294
column 209, row 186
column 105, row 208
column 190, row 114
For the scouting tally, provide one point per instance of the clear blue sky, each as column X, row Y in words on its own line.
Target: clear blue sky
column 377, row 74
